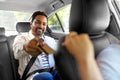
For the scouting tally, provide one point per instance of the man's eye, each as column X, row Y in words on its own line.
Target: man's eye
column 44, row 24
column 37, row 22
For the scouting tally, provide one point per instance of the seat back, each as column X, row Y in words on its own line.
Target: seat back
column 91, row 17
column 14, row 62
column 2, row 31
column 6, row 69
column 8, row 64
column 113, row 27
column 21, row 27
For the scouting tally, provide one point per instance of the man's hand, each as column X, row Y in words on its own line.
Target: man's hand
column 32, row 46
column 80, row 46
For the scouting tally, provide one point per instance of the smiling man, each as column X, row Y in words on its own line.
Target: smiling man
column 26, row 46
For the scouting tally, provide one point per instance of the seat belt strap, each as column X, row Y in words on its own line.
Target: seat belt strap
column 32, row 60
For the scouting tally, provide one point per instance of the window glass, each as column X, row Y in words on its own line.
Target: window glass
column 54, row 24
column 59, row 22
column 116, row 10
column 118, row 3
column 8, row 20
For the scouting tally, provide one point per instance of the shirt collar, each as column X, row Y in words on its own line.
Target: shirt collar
column 31, row 36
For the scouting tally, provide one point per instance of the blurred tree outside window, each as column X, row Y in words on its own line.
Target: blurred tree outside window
column 63, row 16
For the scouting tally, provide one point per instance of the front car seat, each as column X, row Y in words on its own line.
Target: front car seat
column 91, row 17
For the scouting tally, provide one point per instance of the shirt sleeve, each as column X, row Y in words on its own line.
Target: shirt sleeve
column 51, row 42
column 54, row 46
column 107, row 62
column 18, row 47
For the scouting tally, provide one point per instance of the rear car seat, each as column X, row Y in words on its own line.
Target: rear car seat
column 21, row 27
column 6, row 69
column 8, row 64
column 14, row 62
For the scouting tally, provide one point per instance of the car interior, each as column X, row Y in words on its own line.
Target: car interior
column 95, row 17
column 94, row 21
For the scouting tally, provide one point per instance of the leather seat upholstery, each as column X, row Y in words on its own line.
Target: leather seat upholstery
column 13, row 61
column 2, row 31
column 92, row 17
column 23, row 27
column 8, row 64
column 6, row 69
column 86, row 16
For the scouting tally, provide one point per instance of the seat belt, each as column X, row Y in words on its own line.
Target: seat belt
column 32, row 60
column 27, row 68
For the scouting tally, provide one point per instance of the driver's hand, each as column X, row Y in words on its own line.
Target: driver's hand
column 79, row 45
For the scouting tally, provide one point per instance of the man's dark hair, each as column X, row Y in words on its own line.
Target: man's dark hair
column 37, row 13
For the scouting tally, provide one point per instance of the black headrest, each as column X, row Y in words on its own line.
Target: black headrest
column 2, row 31
column 90, row 17
column 23, row 27
column 2, row 34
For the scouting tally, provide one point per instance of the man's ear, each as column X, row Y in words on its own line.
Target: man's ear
column 30, row 23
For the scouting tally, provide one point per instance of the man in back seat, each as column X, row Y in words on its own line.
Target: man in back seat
column 25, row 47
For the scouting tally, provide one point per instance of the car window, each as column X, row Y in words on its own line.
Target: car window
column 59, row 22
column 117, row 2
column 8, row 20
column 115, row 9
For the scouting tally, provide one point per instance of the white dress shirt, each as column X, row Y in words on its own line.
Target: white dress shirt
column 43, row 61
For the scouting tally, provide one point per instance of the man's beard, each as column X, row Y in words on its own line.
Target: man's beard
column 39, row 31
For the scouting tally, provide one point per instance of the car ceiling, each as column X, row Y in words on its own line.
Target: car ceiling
column 47, row 6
